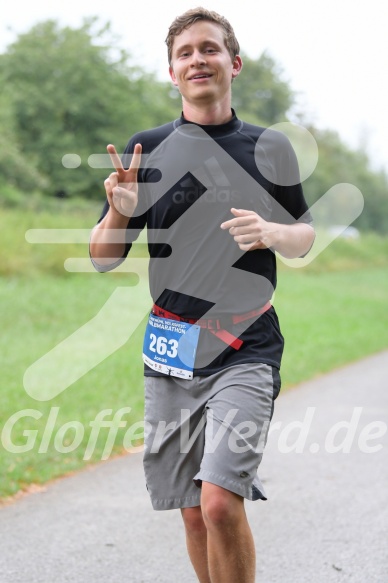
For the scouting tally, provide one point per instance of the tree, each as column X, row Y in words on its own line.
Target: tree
column 15, row 170
column 338, row 163
column 74, row 91
column 259, row 93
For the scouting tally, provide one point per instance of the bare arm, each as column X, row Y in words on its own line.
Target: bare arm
column 251, row 232
column 107, row 242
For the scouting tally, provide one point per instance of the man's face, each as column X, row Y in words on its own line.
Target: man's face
column 201, row 66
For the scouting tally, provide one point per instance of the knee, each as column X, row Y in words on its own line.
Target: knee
column 193, row 520
column 220, row 508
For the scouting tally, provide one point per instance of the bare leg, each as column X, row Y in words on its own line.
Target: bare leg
column 231, row 551
column 196, row 541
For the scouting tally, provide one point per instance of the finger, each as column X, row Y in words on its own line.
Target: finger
column 113, row 179
column 243, row 217
column 125, row 189
column 237, row 222
column 245, row 239
column 108, row 187
column 251, row 246
column 135, row 163
column 246, row 230
column 116, row 160
column 244, row 247
column 241, row 212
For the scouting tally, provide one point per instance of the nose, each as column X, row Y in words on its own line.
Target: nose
column 197, row 58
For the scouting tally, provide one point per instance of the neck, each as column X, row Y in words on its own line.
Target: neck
column 212, row 115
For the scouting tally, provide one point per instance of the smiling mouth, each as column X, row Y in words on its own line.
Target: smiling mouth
column 200, row 76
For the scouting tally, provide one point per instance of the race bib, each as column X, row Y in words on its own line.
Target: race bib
column 170, row 346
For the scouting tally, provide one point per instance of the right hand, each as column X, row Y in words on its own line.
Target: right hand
column 121, row 186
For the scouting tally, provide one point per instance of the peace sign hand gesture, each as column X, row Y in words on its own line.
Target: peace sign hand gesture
column 121, row 187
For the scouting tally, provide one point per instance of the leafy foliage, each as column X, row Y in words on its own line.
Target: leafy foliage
column 260, row 95
column 14, row 170
column 338, row 163
column 72, row 90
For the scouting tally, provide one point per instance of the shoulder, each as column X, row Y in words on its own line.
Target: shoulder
column 151, row 138
column 266, row 137
column 251, row 130
column 274, row 155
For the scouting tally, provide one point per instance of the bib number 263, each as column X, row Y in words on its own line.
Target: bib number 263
column 168, row 347
column 163, row 346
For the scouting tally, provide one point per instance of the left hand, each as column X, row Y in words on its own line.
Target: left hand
column 250, row 231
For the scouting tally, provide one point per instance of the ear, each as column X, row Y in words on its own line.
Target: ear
column 237, row 66
column 172, row 75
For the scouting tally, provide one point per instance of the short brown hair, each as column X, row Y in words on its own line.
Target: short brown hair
column 194, row 15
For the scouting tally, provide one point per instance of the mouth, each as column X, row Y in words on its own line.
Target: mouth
column 200, row 77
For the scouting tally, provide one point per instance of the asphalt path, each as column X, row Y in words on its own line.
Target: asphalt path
column 325, row 470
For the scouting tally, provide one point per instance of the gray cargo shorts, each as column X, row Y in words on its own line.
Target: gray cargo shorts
column 212, row 428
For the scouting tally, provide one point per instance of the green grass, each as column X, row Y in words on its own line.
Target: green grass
column 46, row 311
column 330, row 319
column 331, row 313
